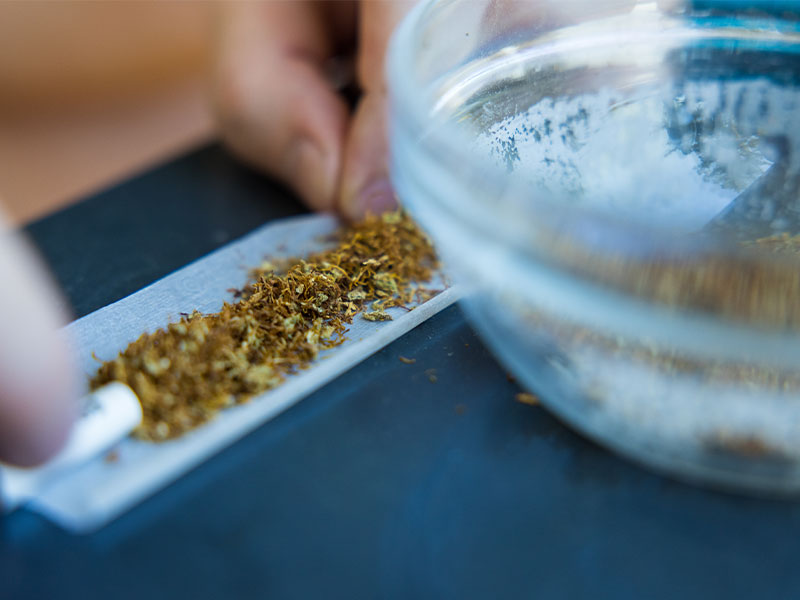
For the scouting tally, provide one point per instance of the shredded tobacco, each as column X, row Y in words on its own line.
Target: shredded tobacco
column 757, row 282
column 186, row 373
column 670, row 362
column 781, row 243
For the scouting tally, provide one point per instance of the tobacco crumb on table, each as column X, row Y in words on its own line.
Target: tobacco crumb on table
column 185, row 373
column 431, row 373
column 407, row 361
column 527, row 398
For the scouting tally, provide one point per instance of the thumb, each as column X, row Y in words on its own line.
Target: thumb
column 365, row 185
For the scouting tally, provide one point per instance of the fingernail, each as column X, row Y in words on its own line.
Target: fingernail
column 376, row 197
column 311, row 175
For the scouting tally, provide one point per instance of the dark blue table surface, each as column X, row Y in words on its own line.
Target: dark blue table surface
column 382, row 484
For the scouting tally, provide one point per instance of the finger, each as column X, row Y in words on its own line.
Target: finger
column 365, row 179
column 276, row 108
column 365, row 185
column 38, row 390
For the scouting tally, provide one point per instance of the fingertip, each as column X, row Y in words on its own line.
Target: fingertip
column 39, row 397
column 312, row 172
column 33, row 438
column 375, row 197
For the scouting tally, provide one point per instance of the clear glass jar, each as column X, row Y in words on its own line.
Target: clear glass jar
column 617, row 184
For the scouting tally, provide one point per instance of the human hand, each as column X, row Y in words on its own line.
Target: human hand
column 278, row 104
column 38, row 389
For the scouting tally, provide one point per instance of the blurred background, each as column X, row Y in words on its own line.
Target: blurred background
column 92, row 92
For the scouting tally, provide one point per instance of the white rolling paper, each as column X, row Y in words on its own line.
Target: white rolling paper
column 84, row 497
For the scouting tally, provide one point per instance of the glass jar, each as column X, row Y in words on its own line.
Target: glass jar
column 617, row 186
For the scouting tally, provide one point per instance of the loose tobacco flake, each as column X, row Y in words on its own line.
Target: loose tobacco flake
column 185, row 373
column 526, row 398
column 377, row 315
